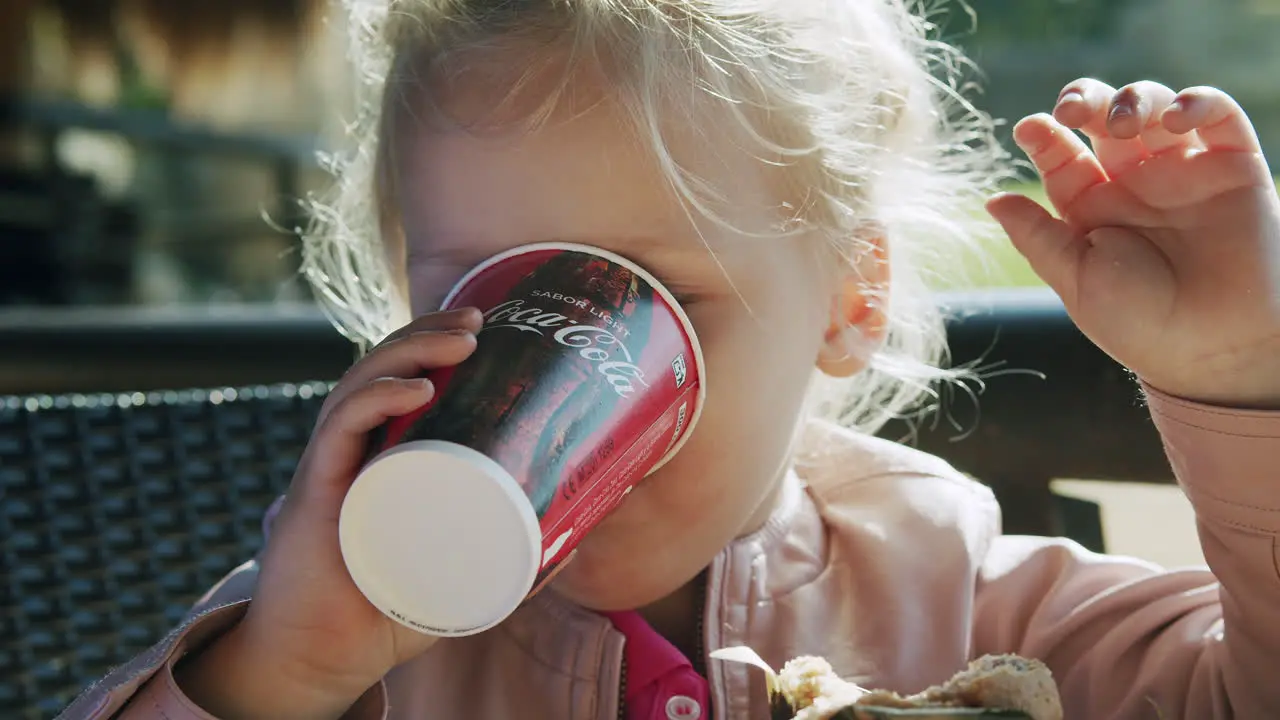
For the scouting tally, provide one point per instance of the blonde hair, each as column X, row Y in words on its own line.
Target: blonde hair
column 863, row 109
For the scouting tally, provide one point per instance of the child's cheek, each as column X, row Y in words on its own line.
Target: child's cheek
column 428, row 283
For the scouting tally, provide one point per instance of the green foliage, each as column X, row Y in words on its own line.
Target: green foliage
column 990, row 23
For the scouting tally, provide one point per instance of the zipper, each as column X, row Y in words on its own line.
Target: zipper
column 622, row 690
column 699, row 659
column 712, row 589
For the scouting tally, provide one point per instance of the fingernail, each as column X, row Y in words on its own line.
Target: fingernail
column 420, row 384
column 1121, row 110
column 1070, row 97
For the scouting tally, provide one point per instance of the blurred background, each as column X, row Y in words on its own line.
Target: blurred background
column 152, row 153
column 144, row 145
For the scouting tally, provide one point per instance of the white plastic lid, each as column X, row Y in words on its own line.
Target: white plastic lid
column 440, row 538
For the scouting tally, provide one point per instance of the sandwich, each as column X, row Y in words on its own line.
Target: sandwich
column 1005, row 687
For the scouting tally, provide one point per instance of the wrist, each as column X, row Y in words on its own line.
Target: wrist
column 232, row 680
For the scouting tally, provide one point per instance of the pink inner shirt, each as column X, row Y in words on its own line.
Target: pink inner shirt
column 661, row 682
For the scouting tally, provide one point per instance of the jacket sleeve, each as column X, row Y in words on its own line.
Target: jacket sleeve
column 1126, row 639
column 144, row 687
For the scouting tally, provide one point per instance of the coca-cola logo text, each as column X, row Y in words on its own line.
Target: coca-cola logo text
column 595, row 344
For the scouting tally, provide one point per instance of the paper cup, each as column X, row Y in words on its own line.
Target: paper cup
column 587, row 377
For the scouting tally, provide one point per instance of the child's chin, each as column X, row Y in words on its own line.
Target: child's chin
column 608, row 587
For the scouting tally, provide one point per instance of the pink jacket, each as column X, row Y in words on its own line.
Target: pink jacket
column 891, row 565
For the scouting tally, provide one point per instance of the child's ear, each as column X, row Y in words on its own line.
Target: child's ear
column 856, row 328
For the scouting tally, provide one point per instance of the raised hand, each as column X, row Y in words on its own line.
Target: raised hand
column 1166, row 251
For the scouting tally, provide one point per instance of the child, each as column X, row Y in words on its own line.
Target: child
column 783, row 165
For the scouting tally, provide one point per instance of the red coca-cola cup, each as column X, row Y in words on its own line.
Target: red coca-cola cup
column 587, row 377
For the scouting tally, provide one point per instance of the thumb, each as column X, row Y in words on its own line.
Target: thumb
column 1052, row 248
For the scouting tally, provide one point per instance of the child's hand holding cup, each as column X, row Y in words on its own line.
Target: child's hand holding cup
column 310, row 644
column 478, row 466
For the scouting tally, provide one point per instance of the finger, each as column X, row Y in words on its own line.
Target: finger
column 1137, row 112
column 334, row 455
column 1085, row 105
column 1217, row 118
column 1134, row 107
column 1082, row 105
column 1066, row 165
column 405, row 357
column 467, row 318
column 1049, row 244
